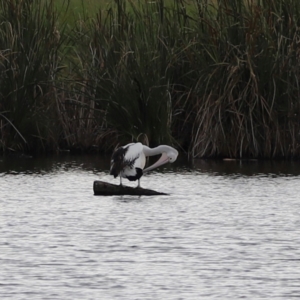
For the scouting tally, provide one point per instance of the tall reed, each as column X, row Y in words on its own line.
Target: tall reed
column 123, row 63
column 216, row 78
column 243, row 97
column 30, row 42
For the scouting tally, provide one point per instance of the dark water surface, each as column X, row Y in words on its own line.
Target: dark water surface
column 228, row 230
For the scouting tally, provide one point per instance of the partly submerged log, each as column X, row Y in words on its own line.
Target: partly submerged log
column 102, row 188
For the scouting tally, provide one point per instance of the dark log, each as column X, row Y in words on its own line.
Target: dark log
column 102, row 188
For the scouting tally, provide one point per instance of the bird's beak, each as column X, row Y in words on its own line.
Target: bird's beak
column 163, row 160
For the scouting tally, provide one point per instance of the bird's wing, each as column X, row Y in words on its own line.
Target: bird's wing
column 117, row 161
column 133, row 153
column 125, row 157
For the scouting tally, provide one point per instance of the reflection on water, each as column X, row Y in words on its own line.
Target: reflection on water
column 101, row 163
column 229, row 230
column 43, row 165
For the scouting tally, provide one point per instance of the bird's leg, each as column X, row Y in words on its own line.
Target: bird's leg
column 121, row 180
column 139, row 186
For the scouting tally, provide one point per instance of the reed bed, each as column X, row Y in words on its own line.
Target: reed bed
column 214, row 78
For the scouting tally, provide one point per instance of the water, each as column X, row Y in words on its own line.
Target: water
column 228, row 230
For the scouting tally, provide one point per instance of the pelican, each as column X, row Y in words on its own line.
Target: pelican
column 129, row 161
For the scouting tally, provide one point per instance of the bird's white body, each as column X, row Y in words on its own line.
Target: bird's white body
column 135, row 158
column 129, row 161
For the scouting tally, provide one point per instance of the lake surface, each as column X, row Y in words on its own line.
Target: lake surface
column 228, row 230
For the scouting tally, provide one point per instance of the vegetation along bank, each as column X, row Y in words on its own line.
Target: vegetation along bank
column 214, row 78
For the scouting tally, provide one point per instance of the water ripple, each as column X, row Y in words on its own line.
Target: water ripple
column 225, row 236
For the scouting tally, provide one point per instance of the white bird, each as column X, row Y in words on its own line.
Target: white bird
column 129, row 161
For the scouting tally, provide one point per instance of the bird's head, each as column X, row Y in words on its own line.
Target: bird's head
column 172, row 155
column 168, row 154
